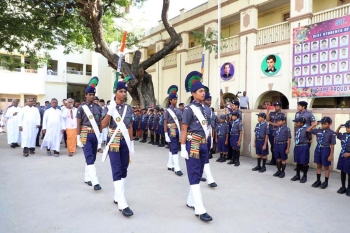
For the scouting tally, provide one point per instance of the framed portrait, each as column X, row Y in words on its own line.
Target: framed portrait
column 227, row 71
column 271, row 65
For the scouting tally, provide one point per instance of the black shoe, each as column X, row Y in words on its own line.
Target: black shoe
column 213, row 185
column 205, row 217
column 97, row 187
column 324, row 185
column 167, row 147
column 210, row 156
column 115, row 202
column 257, row 168
column 136, row 139
column 342, row 190
column 161, row 145
column 127, row 212
column 189, row 206
column 223, row 160
column 237, row 163
column 88, row 183
column 37, row 145
column 179, row 173
column 143, row 141
column 303, row 179
column 277, row 173
column 295, row 169
column 263, row 169
column 271, row 163
column 203, row 179
column 150, row 142
column 316, row 184
column 282, row 175
column 16, row 144
column 170, row 169
column 231, row 162
column 13, row 145
column 219, row 159
column 295, row 178
column 348, row 192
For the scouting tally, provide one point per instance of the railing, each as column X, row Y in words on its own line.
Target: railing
column 74, row 72
column 51, row 73
column 89, row 73
column 194, row 53
column 170, row 60
column 30, row 71
column 331, row 13
column 274, row 33
column 17, row 70
column 230, row 44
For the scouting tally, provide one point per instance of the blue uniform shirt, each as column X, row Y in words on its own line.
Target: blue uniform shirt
column 169, row 118
column 236, row 127
column 161, row 120
column 144, row 118
column 301, row 135
column 342, row 138
column 155, row 120
column 150, row 118
column 282, row 133
column 307, row 115
column 96, row 111
column 222, row 129
column 240, row 114
column 128, row 119
column 328, row 136
column 274, row 119
column 261, row 130
column 190, row 119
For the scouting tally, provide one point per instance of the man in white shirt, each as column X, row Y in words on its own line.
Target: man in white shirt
column 244, row 100
column 70, row 119
column 53, row 127
column 13, row 135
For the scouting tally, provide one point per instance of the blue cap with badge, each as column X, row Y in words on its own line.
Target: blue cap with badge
column 263, row 115
column 326, row 119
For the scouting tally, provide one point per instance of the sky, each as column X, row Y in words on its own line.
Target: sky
column 150, row 13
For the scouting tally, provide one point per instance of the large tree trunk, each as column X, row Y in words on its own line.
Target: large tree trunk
column 141, row 87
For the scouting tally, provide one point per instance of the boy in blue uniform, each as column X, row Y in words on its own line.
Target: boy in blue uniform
column 161, row 128
column 156, row 126
column 136, row 124
column 324, row 149
column 301, row 149
column 344, row 157
column 194, row 148
column 222, row 136
column 120, row 144
column 89, row 117
column 150, row 125
column 235, row 138
column 260, row 142
column 144, row 125
column 282, row 144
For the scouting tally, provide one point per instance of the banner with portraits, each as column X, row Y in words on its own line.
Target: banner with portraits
column 321, row 59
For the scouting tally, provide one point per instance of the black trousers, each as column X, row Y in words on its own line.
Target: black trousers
column 38, row 136
column 27, row 150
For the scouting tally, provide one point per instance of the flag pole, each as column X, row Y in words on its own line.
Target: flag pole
column 219, row 50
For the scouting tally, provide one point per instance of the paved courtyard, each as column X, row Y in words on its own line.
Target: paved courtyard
column 47, row 194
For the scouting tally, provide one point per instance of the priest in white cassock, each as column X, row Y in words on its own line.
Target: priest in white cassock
column 13, row 135
column 53, row 128
column 29, row 123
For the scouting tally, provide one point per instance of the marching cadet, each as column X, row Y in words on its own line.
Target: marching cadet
column 282, row 144
column 324, row 150
column 161, row 128
column 120, row 144
column 194, row 148
column 172, row 121
column 150, row 125
column 303, row 112
column 144, row 125
column 156, row 126
column 235, row 138
column 89, row 117
column 344, row 157
column 234, row 107
column 222, row 136
column 207, row 170
column 301, row 149
column 260, row 142
column 272, row 119
column 213, row 122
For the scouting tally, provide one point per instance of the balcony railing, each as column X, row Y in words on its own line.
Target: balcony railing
column 51, row 72
column 74, row 72
column 88, row 73
column 15, row 70
column 331, row 13
column 230, row 44
column 194, row 53
column 274, row 33
column 170, row 60
column 31, row 71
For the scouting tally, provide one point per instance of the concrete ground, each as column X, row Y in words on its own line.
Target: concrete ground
column 47, row 194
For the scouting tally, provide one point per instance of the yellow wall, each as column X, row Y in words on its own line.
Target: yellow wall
column 229, row 30
column 273, row 16
column 321, row 5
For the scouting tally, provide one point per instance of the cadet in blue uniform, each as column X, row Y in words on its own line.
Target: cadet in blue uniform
column 194, row 146
column 150, row 125
column 234, row 107
column 260, row 142
column 282, row 144
column 301, row 149
column 156, row 126
column 144, row 125
column 344, row 157
column 213, row 122
column 161, row 128
column 235, row 138
column 303, row 112
column 272, row 119
column 222, row 136
column 173, row 118
column 324, row 150
column 136, row 123
column 118, row 148
column 207, row 170
column 87, row 135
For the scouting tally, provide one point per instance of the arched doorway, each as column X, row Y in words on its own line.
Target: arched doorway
column 227, row 98
column 272, row 96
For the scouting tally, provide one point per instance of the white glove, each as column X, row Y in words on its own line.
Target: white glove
column 167, row 139
column 79, row 142
column 132, row 150
column 184, row 153
column 99, row 140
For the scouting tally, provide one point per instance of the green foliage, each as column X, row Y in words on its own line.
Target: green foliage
column 206, row 41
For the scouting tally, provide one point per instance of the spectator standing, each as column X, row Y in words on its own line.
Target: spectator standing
column 244, row 100
column 13, row 136
column 69, row 116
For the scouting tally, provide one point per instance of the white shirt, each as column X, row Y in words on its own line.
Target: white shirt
column 244, row 100
column 71, row 123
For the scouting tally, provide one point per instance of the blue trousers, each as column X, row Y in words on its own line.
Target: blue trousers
column 344, row 164
column 222, row 148
column 90, row 148
column 259, row 148
column 233, row 141
column 144, row 126
column 119, row 161
column 302, row 154
column 174, row 142
column 279, row 151
column 321, row 157
column 195, row 166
